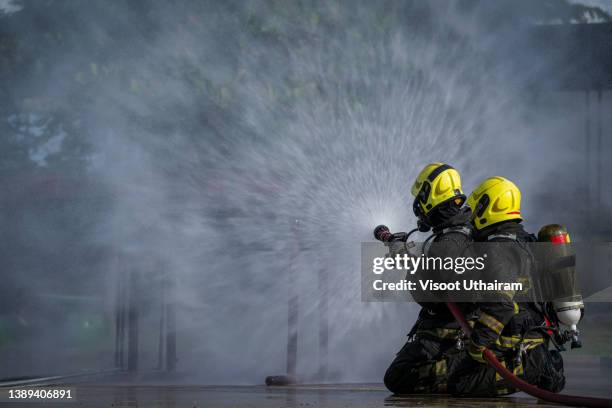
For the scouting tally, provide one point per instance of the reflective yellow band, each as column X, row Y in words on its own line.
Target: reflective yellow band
column 526, row 283
column 533, row 343
column 497, row 376
column 475, row 351
column 491, row 322
column 440, row 368
column 508, row 293
column 502, row 391
column 513, row 341
column 516, row 308
column 441, row 333
column 508, row 342
column 518, row 370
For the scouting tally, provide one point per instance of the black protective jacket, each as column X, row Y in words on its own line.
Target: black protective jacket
column 512, row 326
column 451, row 237
column 512, row 319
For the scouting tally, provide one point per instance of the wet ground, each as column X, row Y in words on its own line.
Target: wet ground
column 585, row 377
column 329, row 396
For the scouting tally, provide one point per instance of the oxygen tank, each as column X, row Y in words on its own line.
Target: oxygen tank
column 561, row 280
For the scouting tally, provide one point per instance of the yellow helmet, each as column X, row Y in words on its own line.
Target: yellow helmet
column 496, row 199
column 437, row 183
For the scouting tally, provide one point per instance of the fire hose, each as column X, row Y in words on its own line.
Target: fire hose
column 571, row 400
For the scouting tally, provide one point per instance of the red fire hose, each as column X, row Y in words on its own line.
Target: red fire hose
column 571, row 400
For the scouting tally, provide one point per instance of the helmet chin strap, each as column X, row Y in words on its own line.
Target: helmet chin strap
column 422, row 226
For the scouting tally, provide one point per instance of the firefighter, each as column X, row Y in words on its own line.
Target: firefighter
column 421, row 366
column 511, row 325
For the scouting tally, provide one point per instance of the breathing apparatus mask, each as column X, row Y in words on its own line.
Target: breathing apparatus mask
column 437, row 216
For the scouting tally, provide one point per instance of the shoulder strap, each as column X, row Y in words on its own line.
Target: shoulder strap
column 461, row 229
column 511, row 237
column 425, row 246
column 523, row 244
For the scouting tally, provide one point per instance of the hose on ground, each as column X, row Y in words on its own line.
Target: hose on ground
column 570, row 400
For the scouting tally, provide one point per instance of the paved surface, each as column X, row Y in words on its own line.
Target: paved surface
column 117, row 396
column 329, row 396
column 587, row 378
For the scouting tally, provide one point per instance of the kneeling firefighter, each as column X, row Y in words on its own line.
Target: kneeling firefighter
column 422, row 365
column 512, row 325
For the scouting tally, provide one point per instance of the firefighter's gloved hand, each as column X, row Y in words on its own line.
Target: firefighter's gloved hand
column 396, row 248
column 476, row 352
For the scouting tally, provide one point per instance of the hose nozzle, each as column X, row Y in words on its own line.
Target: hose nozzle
column 382, row 233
